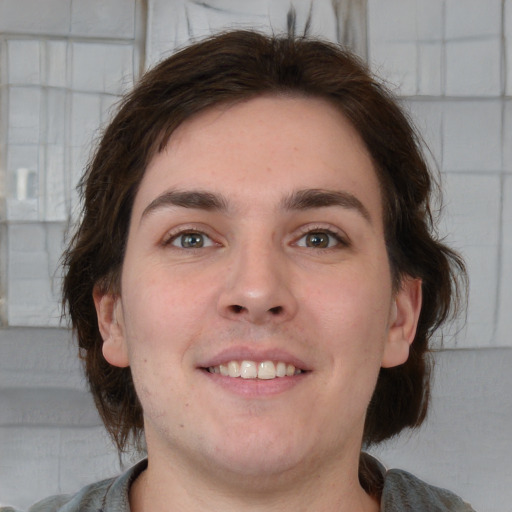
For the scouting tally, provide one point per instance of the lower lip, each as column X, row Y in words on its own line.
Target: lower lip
column 255, row 388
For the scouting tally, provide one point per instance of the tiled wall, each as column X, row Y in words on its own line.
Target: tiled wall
column 63, row 66
column 448, row 60
column 64, row 63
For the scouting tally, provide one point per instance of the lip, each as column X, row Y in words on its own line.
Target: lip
column 254, row 388
column 241, row 353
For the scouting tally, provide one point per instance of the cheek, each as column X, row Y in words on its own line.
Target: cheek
column 165, row 313
column 352, row 312
column 156, row 294
column 350, row 295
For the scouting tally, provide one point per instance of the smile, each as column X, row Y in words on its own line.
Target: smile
column 264, row 370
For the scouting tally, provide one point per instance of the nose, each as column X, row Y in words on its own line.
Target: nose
column 258, row 287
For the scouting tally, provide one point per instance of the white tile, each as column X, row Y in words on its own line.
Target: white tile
column 473, row 67
column 504, row 328
column 430, row 67
column 54, row 460
column 427, row 116
column 109, row 106
column 102, row 67
column 22, row 181
column 79, row 157
column 202, row 20
column 472, row 136
column 472, row 18
column 103, row 18
column 26, row 237
column 24, row 112
column 28, row 455
column 167, row 29
column 397, row 64
column 51, row 17
column 172, row 23
column 508, row 45
column 39, row 358
column 27, row 210
column 85, row 127
column 54, row 407
column 56, row 116
column 429, row 20
column 250, row 8
column 22, row 157
column 473, row 206
column 56, row 63
column 55, row 243
column 323, row 19
column 85, row 118
column 24, row 62
column 507, row 136
column 28, row 295
column 391, row 21
column 465, row 443
column 33, row 302
column 28, row 265
column 471, row 223
column 33, row 283
column 56, row 184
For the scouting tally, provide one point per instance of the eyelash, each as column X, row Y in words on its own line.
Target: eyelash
column 342, row 241
column 175, row 235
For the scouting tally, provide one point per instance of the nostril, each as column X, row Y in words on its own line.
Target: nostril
column 235, row 308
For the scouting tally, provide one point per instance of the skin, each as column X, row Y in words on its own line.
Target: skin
column 276, row 278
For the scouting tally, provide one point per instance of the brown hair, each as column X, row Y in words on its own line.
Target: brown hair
column 227, row 68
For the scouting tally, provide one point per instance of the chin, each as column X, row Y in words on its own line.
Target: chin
column 263, row 466
column 259, row 454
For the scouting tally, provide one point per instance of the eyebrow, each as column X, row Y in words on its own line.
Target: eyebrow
column 187, row 199
column 317, row 198
column 307, row 199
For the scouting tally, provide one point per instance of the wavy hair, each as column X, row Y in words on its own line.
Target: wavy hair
column 228, row 68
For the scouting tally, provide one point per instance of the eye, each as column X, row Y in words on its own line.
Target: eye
column 320, row 239
column 191, row 240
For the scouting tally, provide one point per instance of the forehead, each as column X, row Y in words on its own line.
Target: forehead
column 264, row 147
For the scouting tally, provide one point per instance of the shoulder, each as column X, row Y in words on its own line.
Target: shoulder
column 89, row 499
column 109, row 495
column 404, row 492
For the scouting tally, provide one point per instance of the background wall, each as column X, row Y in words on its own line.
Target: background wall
column 64, row 63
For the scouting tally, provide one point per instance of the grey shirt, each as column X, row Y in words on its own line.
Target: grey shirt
column 402, row 492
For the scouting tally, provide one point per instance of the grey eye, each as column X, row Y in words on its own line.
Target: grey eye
column 192, row 241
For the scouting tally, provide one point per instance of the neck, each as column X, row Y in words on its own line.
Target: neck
column 172, row 485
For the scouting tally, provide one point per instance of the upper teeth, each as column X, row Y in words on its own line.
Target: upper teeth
column 252, row 370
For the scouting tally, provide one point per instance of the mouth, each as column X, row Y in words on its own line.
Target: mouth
column 263, row 370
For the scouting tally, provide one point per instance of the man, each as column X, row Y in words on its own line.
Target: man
column 254, row 283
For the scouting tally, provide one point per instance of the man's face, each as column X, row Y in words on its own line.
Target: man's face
column 256, row 244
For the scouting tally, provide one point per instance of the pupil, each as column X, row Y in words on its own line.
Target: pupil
column 192, row 240
column 317, row 240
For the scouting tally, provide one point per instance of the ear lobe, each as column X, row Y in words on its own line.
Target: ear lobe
column 404, row 317
column 111, row 326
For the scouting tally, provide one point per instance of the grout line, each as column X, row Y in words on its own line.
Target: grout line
column 503, row 63
column 15, row 36
column 499, row 262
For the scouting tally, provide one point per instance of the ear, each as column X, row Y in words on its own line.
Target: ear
column 111, row 326
column 404, row 315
